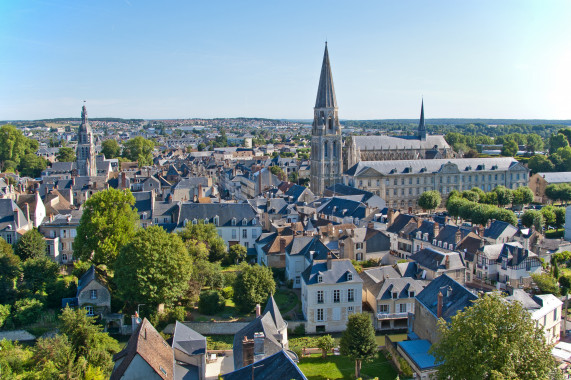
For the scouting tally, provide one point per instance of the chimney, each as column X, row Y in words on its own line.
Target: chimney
column 16, row 221
column 152, row 200
column 247, row 351
column 27, row 212
column 46, row 190
column 329, row 260
column 439, row 306
column 72, row 181
column 418, row 222
column 258, row 344
column 481, row 232
column 390, row 219
column 258, row 310
column 123, row 180
column 489, row 224
column 311, row 254
column 458, row 237
column 282, row 245
column 447, row 261
column 135, row 321
column 436, row 229
column 352, row 232
column 200, row 195
column 371, row 225
column 259, row 181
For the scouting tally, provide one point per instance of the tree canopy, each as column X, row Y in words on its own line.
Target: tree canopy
column 254, row 284
column 533, row 218
column 429, row 200
column 498, row 340
column 110, row 148
column 139, row 149
column 31, row 245
column 153, row 268
column 358, row 340
column 193, row 234
column 66, row 154
column 14, row 145
column 107, row 224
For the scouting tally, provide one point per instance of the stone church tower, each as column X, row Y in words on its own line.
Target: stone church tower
column 326, row 160
column 85, row 153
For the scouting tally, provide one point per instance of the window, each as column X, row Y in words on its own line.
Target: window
column 9, row 239
column 244, row 222
column 320, row 315
column 297, row 280
column 350, row 295
column 395, row 295
column 93, row 294
column 89, row 310
column 411, row 294
column 383, row 309
column 359, row 246
column 402, row 307
column 326, row 149
column 349, row 276
column 319, row 278
column 320, row 296
column 254, row 234
column 350, row 310
column 163, row 370
column 205, row 220
column 64, row 257
column 233, row 221
column 555, row 315
column 216, row 220
column 245, row 234
column 234, row 233
column 336, row 296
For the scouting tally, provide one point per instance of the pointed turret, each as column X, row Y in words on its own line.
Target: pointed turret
column 421, row 126
column 273, row 309
column 326, row 91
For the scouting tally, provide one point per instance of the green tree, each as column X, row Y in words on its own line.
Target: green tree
column 325, row 343
column 429, row 200
column 237, row 253
column 559, row 216
column 522, row 196
column 548, row 214
column 107, row 224
column 110, row 148
column 31, row 165
column 253, row 285
column 509, row 148
column 557, row 141
column 39, row 273
column 211, row 302
column 15, row 360
column 278, row 172
column 533, row 218
column 534, row 143
column 546, row 283
column 87, row 339
column 14, row 145
column 153, row 268
column 10, row 271
column 471, row 195
column 55, row 358
column 499, row 341
column 4, row 314
column 504, row 195
column 65, row 154
column 31, row 245
column 540, row 163
column 358, row 340
column 139, row 149
column 207, row 234
column 27, row 311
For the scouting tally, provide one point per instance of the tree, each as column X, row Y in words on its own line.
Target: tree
column 499, row 341
column 278, row 172
column 10, row 271
column 358, row 340
column 559, row 216
column 87, row 339
column 65, row 154
column 55, row 358
column 14, row 145
column 534, row 143
column 38, row 273
column 509, row 148
column 540, row 163
column 557, row 141
column 325, row 343
column 211, row 302
column 153, row 268
column 522, row 196
column 4, row 314
column 139, row 149
column 237, row 253
column 533, row 218
column 27, row 311
column 546, row 283
column 110, row 148
column 253, row 285
column 548, row 215
column 31, row 245
column 107, row 224
column 429, row 200
column 207, row 234
column 31, row 165
column 471, row 195
column 504, row 195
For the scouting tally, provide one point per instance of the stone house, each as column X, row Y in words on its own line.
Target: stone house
column 432, row 263
column 364, row 243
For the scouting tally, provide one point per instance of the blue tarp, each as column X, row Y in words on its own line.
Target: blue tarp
column 417, row 351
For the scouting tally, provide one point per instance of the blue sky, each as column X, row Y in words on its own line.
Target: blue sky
column 178, row 59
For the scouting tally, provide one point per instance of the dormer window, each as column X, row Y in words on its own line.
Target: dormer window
column 216, row 220
column 319, row 279
column 433, row 241
column 185, row 222
column 205, row 220
column 349, row 276
column 418, row 234
column 425, row 236
column 411, row 294
column 445, row 245
column 254, row 221
column 233, row 221
column 395, row 295
column 194, row 221
column 244, row 221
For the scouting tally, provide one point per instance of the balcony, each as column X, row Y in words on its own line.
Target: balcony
column 391, row 315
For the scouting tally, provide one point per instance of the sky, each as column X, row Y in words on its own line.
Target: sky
column 205, row 59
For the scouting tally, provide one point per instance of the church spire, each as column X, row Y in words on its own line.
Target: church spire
column 421, row 126
column 326, row 91
column 83, row 114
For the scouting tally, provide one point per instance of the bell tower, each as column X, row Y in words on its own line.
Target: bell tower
column 326, row 160
column 85, row 153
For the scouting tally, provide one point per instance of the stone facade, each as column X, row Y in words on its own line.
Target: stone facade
column 85, row 152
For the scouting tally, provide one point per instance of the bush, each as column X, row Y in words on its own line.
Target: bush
column 299, row 329
column 229, row 278
column 4, row 314
column 279, row 274
column 27, row 311
column 211, row 302
column 405, row 367
column 228, row 292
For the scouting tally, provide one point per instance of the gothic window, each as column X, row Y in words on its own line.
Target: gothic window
column 334, row 149
column 330, row 122
column 325, row 149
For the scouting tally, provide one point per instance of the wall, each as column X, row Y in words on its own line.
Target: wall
column 221, row 328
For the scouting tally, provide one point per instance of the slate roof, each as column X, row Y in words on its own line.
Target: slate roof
column 436, row 261
column 398, row 167
column 225, row 212
column 455, row 296
column 272, row 308
column 295, row 191
column 378, row 143
column 402, row 286
column 497, row 228
column 278, row 366
column 408, row 269
column 399, row 223
column 187, row 340
column 374, row 278
column 8, row 209
column 556, row 177
column 336, row 275
column 264, row 323
column 304, row 245
column 87, row 277
column 148, row 343
column 341, row 208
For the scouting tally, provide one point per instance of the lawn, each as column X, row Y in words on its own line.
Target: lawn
column 310, row 341
column 341, row 367
column 554, row 234
column 286, row 300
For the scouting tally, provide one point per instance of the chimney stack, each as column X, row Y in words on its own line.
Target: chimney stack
column 390, row 214
column 258, row 344
column 200, row 195
column 458, row 237
column 27, row 212
column 258, row 310
column 447, row 261
column 439, row 306
column 436, row 229
column 123, row 180
column 247, row 351
column 329, row 260
column 282, row 245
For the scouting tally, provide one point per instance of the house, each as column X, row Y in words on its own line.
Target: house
column 498, row 231
column 363, row 244
column 278, row 366
column 300, row 253
column 433, row 263
column 60, row 231
column 539, row 181
column 271, row 248
column 92, row 294
column 13, row 222
column 148, row 356
column 545, row 311
column 263, row 337
column 442, row 298
column 390, row 296
column 33, row 207
column 331, row 290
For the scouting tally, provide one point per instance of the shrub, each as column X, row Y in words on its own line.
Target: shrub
column 211, row 302
column 229, row 278
column 299, row 329
column 228, row 292
column 405, row 367
column 4, row 313
column 27, row 311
